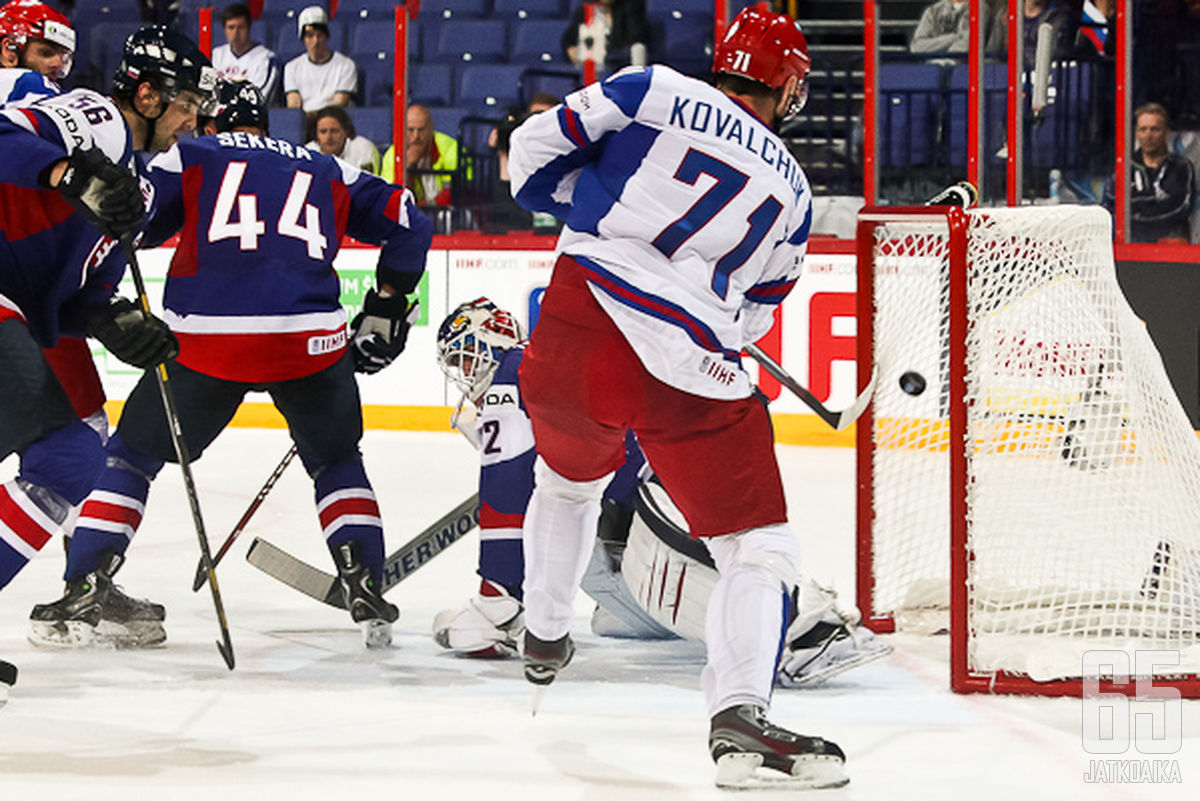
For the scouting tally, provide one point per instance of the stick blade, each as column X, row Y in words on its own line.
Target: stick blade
column 201, row 576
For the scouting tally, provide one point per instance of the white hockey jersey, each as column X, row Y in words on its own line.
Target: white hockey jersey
column 689, row 216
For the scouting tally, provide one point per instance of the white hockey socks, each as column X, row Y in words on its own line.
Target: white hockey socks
column 560, row 527
column 746, row 614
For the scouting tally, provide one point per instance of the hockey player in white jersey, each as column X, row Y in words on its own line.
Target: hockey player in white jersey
column 650, row 581
column 686, row 224
column 37, row 45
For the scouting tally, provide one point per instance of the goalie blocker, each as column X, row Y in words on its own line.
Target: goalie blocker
column 651, row 580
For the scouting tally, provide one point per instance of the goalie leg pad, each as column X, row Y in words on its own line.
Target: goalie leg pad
column 824, row 640
column 670, row 586
column 618, row 613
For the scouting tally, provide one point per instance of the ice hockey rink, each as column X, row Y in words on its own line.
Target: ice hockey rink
column 310, row 714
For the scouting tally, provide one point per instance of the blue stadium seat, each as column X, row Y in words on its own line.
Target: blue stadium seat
column 686, row 42
column 106, row 41
column 372, row 37
column 286, row 124
column 490, row 87
column 456, row 9
column 531, row 9
column 484, row 41
column 447, row 118
column 537, row 42
column 995, row 82
column 1058, row 140
column 376, row 80
column 373, row 122
column 431, row 84
column 910, row 94
column 423, row 37
column 559, row 83
column 371, row 10
column 677, row 8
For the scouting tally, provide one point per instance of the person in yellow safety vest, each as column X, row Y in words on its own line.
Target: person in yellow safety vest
column 424, row 149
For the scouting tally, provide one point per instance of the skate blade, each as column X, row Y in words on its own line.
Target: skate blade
column 61, row 634
column 106, row 635
column 744, row 771
column 539, row 691
column 376, row 633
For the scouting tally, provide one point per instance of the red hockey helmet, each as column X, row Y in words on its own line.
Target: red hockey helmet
column 22, row 20
column 768, row 48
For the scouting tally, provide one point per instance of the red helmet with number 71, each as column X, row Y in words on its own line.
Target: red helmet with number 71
column 768, row 48
column 23, row 20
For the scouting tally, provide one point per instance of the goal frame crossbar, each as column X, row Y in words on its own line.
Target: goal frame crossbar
column 963, row 679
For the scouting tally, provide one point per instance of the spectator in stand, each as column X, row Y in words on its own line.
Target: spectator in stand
column 1096, row 35
column 1062, row 18
column 1162, row 185
column 945, row 28
column 242, row 59
column 319, row 77
column 618, row 35
column 336, row 137
column 504, row 214
column 429, row 158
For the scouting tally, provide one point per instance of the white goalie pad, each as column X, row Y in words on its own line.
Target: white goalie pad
column 671, row 585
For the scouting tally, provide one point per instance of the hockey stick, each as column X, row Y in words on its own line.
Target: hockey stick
column 839, row 420
column 201, row 570
column 405, row 561
column 225, row 646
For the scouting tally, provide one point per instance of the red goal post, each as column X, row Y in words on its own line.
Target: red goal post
column 1036, row 493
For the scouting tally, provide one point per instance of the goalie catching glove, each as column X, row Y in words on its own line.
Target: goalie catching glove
column 132, row 335
column 379, row 331
column 107, row 196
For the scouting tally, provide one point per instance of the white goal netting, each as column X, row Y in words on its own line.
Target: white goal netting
column 1082, row 477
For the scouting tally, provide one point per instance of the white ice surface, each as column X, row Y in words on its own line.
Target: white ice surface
column 310, row 714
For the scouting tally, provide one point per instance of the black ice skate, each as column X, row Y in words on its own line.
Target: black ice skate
column 543, row 660
column 363, row 599
column 742, row 741
column 8, row 677
column 94, row 611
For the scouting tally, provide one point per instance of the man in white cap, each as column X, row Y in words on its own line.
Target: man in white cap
column 319, row 77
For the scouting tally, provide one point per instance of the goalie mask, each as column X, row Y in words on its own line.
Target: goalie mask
column 471, row 341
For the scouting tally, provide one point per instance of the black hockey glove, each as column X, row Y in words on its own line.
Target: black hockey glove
column 132, row 335
column 107, row 196
column 379, row 331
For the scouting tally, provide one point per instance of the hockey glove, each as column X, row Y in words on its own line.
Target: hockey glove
column 379, row 331
column 107, row 196
column 132, row 335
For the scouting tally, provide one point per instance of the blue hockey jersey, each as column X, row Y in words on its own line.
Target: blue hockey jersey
column 54, row 266
column 251, row 292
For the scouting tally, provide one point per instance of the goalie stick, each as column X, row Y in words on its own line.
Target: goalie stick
column 839, row 420
column 405, row 561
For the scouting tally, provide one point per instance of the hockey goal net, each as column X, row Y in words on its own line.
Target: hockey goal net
column 1027, row 478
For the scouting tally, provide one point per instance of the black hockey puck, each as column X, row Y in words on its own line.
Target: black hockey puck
column 912, row 383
